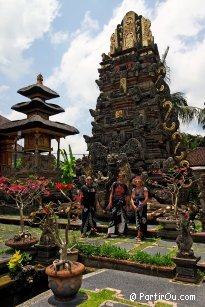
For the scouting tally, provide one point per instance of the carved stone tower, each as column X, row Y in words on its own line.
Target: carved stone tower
column 134, row 122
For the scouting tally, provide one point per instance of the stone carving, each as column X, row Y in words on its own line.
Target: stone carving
column 168, row 164
column 114, row 147
column 134, row 102
column 114, row 43
column 184, row 239
column 147, row 38
column 133, row 147
column 129, row 35
column 136, row 68
column 136, row 93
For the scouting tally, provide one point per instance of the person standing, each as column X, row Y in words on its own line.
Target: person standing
column 139, row 198
column 89, row 200
column 119, row 199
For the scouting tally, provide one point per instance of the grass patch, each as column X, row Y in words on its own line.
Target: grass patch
column 6, row 250
column 158, row 260
column 111, row 251
column 162, row 304
column 145, row 244
column 95, row 299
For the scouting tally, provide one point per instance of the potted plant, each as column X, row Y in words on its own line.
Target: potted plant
column 170, row 185
column 23, row 192
column 64, row 275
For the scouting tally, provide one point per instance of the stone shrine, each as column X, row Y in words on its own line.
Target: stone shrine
column 134, row 123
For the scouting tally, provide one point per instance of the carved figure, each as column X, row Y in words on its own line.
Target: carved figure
column 184, row 239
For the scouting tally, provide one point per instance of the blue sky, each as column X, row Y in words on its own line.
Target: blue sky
column 64, row 40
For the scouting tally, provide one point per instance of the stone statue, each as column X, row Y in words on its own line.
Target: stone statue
column 184, row 239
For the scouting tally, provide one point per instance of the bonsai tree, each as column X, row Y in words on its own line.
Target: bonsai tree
column 23, row 192
column 171, row 183
column 62, row 270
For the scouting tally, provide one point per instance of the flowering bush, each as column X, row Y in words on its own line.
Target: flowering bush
column 48, row 221
column 24, row 192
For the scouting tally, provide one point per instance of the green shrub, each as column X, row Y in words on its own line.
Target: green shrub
column 111, row 251
column 158, row 260
column 104, row 250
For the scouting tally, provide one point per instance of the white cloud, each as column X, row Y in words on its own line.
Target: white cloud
column 76, row 142
column 179, row 24
column 3, row 88
column 58, row 37
column 78, row 69
column 21, row 23
column 14, row 115
column 192, row 129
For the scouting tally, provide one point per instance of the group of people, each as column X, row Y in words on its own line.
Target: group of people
column 120, row 201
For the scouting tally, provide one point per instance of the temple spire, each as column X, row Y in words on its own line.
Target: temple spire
column 39, row 79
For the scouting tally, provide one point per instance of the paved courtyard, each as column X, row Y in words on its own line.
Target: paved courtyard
column 145, row 288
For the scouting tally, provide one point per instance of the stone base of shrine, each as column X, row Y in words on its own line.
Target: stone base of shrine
column 186, row 269
column 46, row 254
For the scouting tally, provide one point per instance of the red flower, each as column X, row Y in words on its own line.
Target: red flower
column 69, row 186
column 62, row 186
column 59, row 186
column 79, row 197
column 3, row 179
column 47, row 210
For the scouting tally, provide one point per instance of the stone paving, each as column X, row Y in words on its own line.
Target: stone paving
column 138, row 287
column 135, row 283
column 152, row 245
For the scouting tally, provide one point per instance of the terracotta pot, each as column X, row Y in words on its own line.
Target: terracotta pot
column 65, row 284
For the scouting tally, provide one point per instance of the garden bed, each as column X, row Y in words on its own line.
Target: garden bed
column 126, row 265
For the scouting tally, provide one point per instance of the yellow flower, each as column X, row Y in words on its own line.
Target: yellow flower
column 15, row 259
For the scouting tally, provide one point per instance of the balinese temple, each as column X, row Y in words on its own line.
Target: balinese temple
column 134, row 121
column 37, row 130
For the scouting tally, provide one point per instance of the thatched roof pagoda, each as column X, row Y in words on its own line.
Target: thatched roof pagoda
column 37, row 129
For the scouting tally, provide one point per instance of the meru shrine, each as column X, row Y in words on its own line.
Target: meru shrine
column 134, row 121
column 134, row 127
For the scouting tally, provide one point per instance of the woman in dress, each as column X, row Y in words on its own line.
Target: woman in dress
column 138, row 202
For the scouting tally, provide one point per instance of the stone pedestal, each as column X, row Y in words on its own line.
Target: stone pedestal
column 186, row 269
column 46, row 253
column 168, row 233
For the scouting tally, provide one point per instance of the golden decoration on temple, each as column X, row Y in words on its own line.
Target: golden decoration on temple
column 123, row 85
column 147, row 38
column 118, row 114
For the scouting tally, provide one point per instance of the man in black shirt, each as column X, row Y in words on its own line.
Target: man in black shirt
column 89, row 201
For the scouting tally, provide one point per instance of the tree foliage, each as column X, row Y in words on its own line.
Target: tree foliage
column 67, row 165
column 192, row 141
column 185, row 112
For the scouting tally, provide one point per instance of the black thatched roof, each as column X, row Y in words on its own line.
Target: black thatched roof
column 38, row 90
column 36, row 121
column 3, row 120
column 37, row 104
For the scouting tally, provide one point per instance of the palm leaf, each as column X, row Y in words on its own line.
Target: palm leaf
column 185, row 112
